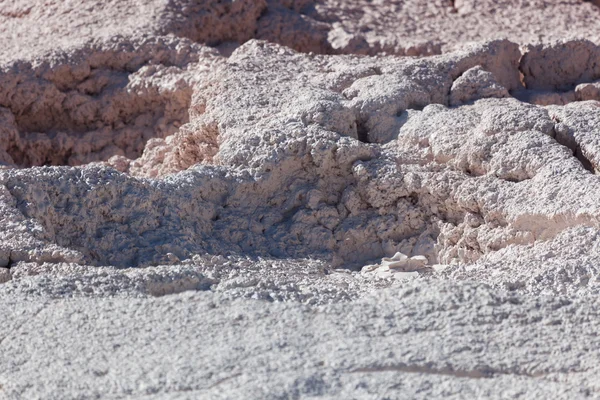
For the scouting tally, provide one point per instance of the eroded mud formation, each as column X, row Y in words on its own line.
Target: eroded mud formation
column 360, row 198
column 275, row 153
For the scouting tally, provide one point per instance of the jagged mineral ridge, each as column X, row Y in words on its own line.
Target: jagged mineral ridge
column 290, row 199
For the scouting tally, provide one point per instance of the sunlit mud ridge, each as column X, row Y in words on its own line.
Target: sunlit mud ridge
column 103, row 100
column 346, row 159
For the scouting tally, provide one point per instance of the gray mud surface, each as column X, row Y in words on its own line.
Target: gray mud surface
column 295, row 199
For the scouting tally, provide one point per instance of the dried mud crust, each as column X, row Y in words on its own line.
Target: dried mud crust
column 28, row 28
column 343, row 158
column 103, row 100
column 255, row 172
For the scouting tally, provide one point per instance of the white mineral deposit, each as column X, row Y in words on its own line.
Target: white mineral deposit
column 299, row 199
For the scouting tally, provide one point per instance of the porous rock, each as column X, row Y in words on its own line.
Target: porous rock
column 475, row 84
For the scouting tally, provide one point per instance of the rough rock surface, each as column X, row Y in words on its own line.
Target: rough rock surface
column 268, row 199
column 404, row 27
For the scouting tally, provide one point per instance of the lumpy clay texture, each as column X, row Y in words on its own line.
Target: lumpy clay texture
column 290, row 199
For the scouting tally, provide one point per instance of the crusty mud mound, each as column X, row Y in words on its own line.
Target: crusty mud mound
column 415, row 181
column 343, row 158
column 102, row 100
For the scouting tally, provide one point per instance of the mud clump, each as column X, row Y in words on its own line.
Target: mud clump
column 99, row 101
column 348, row 159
